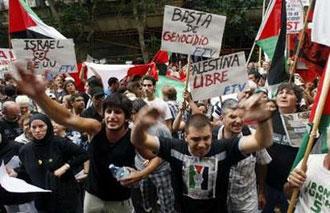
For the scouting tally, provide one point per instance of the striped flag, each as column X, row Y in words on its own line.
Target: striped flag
column 24, row 23
column 321, row 146
column 270, row 28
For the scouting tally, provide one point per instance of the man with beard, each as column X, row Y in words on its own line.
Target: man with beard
column 110, row 143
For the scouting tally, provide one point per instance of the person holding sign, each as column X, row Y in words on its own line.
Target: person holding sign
column 288, row 98
column 200, row 167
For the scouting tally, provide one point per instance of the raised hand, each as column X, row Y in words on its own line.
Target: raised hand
column 29, row 83
column 148, row 116
column 256, row 108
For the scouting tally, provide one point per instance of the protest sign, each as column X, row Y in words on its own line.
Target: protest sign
column 295, row 125
column 192, row 32
column 16, row 185
column 50, row 56
column 220, row 76
column 6, row 56
column 295, row 16
column 305, row 2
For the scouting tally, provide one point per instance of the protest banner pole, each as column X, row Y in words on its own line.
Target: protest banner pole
column 250, row 54
column 263, row 16
column 301, row 40
column 312, row 135
column 187, row 73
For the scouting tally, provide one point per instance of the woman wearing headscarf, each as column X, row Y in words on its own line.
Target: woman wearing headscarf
column 48, row 161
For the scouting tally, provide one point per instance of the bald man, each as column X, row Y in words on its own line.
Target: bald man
column 9, row 120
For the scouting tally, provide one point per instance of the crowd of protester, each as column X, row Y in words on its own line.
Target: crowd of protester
column 182, row 157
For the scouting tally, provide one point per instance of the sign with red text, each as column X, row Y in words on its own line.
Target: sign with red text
column 219, row 76
column 295, row 16
column 48, row 55
column 6, row 56
column 192, row 32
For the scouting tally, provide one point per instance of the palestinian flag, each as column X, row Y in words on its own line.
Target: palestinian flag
column 314, row 52
column 321, row 146
column 24, row 23
column 270, row 28
column 166, row 81
column 277, row 72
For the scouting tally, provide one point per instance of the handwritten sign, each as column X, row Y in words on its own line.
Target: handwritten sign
column 220, row 76
column 6, row 56
column 295, row 16
column 48, row 55
column 192, row 32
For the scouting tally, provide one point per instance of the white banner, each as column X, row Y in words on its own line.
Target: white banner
column 321, row 23
column 295, row 16
column 192, row 32
column 6, row 56
column 220, row 76
column 106, row 71
column 48, row 55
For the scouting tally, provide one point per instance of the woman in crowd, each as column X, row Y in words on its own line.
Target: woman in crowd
column 48, row 161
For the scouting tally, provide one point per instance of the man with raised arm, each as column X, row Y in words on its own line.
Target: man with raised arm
column 110, row 143
column 200, row 167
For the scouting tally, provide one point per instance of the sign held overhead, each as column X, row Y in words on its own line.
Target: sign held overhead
column 48, row 55
column 192, row 32
column 220, row 76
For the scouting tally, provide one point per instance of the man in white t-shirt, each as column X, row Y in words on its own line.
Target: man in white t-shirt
column 314, row 184
column 149, row 88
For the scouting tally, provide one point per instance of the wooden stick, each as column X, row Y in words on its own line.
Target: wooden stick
column 187, row 73
column 263, row 16
column 250, row 54
column 312, row 136
column 301, row 40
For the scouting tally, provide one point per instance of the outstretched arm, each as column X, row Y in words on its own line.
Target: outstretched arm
column 139, row 136
column 257, row 109
column 34, row 86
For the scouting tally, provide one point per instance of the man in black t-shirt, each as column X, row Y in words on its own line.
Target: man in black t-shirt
column 200, row 167
column 110, row 143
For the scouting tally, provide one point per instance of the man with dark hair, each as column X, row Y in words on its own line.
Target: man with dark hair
column 95, row 110
column 200, row 167
column 113, row 85
column 282, row 152
column 110, row 143
column 149, row 88
column 254, row 76
column 77, row 103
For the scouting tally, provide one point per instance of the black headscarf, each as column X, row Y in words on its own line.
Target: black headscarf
column 50, row 130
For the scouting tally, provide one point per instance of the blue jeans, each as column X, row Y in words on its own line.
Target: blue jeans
column 275, row 197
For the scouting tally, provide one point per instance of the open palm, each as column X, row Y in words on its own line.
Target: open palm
column 30, row 83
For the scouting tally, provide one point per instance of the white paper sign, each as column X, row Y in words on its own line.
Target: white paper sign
column 6, row 56
column 295, row 16
column 16, row 185
column 192, row 32
column 48, row 55
column 305, row 2
column 295, row 125
column 220, row 76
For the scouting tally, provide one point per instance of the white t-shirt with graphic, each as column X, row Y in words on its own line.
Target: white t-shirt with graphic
column 315, row 192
